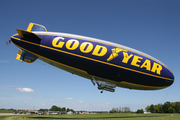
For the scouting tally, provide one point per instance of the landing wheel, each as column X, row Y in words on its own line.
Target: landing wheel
column 101, row 91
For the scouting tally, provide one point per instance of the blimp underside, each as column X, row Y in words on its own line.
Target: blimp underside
column 107, row 64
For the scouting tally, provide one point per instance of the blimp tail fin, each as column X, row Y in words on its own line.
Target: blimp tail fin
column 25, row 57
column 27, row 34
column 36, row 27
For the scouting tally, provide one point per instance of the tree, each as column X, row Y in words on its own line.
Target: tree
column 177, row 107
column 67, row 110
column 111, row 111
column 54, row 108
column 147, row 108
column 151, row 108
column 119, row 110
column 63, row 109
column 140, row 111
column 43, row 110
column 114, row 110
column 59, row 109
column 127, row 109
column 172, row 108
column 165, row 106
column 158, row 108
column 72, row 110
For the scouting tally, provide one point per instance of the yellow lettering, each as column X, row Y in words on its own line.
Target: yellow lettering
column 57, row 43
column 99, row 50
column 136, row 60
column 126, row 57
column 86, row 47
column 156, row 68
column 72, row 44
column 146, row 64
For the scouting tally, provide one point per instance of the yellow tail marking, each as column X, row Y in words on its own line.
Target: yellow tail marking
column 19, row 55
column 30, row 27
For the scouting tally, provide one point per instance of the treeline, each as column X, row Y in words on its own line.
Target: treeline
column 167, row 107
column 120, row 110
column 55, row 108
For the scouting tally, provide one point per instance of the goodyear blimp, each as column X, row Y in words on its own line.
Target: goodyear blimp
column 104, row 63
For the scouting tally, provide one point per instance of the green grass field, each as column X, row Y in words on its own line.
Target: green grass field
column 6, row 111
column 117, row 116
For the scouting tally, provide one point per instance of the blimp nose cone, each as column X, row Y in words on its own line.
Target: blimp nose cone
column 15, row 39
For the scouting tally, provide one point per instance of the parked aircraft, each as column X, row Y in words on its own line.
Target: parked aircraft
column 105, row 63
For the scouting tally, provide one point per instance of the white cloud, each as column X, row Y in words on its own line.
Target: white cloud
column 80, row 101
column 53, row 100
column 43, row 104
column 3, row 61
column 25, row 89
column 69, row 98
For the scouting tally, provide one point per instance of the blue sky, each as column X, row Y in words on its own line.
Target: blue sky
column 150, row 26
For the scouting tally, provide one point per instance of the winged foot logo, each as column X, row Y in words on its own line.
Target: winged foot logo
column 114, row 54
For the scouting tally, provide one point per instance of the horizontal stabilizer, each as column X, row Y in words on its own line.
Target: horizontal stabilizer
column 36, row 27
column 25, row 56
column 28, row 35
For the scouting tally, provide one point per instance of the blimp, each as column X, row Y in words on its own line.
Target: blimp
column 107, row 65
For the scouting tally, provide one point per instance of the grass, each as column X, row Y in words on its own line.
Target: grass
column 6, row 111
column 117, row 116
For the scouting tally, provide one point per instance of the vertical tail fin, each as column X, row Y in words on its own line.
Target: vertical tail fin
column 36, row 27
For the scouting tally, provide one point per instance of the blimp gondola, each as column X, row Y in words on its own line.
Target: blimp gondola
column 107, row 64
